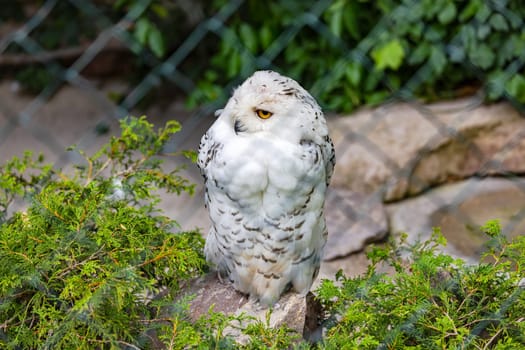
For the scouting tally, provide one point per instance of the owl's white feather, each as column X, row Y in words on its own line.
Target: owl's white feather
column 265, row 185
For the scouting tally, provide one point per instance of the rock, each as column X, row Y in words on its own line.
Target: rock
column 353, row 220
column 400, row 150
column 208, row 291
column 459, row 210
column 297, row 312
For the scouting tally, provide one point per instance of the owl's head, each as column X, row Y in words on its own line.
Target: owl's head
column 268, row 102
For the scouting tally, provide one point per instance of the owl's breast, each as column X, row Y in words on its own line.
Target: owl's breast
column 266, row 173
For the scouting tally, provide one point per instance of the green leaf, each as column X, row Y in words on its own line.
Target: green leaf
column 336, row 23
column 483, row 31
column 492, row 228
column 389, row 55
column 482, row 56
column 420, row 54
column 516, row 87
column 448, row 14
column 142, row 29
column 438, row 237
column 354, row 96
column 498, row 22
column 456, row 53
column 234, row 65
column 376, row 98
column 160, row 10
column 470, row 10
column 496, row 85
column 437, row 59
column 351, row 20
column 266, row 37
column 248, row 37
column 119, row 3
column 353, row 73
column 435, row 33
column 156, row 42
column 372, row 79
column 191, row 155
column 335, row 17
column 416, row 31
column 468, row 37
column 483, row 12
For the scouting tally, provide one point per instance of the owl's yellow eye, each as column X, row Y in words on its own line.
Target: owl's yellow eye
column 261, row 113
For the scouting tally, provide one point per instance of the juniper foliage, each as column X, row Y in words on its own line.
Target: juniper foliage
column 79, row 264
column 430, row 300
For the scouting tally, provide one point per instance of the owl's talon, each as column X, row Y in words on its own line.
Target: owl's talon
column 219, row 277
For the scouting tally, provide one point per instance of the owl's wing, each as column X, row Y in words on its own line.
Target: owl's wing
column 208, row 148
column 327, row 148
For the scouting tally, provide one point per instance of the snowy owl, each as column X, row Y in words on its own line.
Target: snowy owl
column 266, row 162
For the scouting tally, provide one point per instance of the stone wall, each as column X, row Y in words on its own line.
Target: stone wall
column 450, row 164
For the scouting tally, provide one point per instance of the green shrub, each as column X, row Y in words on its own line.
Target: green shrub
column 430, row 300
column 363, row 52
column 80, row 265
column 83, row 265
column 349, row 53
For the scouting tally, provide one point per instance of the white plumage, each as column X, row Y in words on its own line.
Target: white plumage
column 267, row 161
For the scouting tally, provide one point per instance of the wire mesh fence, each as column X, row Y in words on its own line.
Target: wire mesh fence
column 404, row 148
column 66, row 66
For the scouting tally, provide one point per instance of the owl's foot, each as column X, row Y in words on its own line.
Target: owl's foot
column 223, row 278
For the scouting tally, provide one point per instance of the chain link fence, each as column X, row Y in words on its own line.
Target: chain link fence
column 404, row 148
column 51, row 120
column 77, row 103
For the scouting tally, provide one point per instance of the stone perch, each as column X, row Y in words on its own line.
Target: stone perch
column 301, row 314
